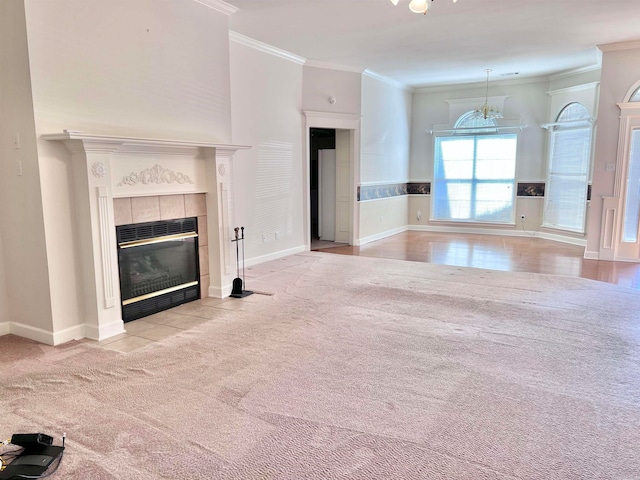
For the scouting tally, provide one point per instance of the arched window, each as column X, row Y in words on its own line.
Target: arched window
column 568, row 169
column 469, row 123
column 474, row 173
column 636, row 96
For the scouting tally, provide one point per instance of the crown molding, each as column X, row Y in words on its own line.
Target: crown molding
column 467, row 86
column 575, row 88
column 263, row 47
column 333, row 66
column 612, row 47
column 219, row 5
column 577, row 71
column 390, row 81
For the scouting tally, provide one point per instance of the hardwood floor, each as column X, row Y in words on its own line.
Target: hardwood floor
column 514, row 254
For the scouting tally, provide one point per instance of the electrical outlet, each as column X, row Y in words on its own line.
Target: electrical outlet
column 277, row 235
column 264, row 237
column 419, row 215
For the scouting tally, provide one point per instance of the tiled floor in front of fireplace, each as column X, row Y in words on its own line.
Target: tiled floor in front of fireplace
column 161, row 325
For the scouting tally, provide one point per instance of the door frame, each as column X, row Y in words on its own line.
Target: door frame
column 337, row 121
column 613, row 208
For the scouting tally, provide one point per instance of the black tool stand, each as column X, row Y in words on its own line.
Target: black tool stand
column 238, row 291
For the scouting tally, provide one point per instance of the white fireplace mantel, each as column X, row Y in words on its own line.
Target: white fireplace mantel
column 100, row 164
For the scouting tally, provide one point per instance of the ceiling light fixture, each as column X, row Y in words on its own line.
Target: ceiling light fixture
column 486, row 111
column 418, row 6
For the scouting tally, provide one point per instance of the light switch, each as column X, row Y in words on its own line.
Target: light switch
column 610, row 167
column 16, row 141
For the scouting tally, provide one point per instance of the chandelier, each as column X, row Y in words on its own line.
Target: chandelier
column 486, row 111
column 418, row 6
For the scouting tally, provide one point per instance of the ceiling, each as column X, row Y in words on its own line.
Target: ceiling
column 451, row 44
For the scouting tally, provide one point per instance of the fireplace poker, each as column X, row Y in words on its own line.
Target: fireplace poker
column 237, row 253
column 242, row 236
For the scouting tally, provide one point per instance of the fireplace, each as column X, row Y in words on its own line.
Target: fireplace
column 158, row 264
column 155, row 174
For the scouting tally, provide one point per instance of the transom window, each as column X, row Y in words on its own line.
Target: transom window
column 474, row 173
column 568, row 170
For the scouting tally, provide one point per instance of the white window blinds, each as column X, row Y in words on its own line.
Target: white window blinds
column 474, row 178
column 568, row 170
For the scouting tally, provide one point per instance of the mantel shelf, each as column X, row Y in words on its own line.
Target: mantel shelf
column 137, row 141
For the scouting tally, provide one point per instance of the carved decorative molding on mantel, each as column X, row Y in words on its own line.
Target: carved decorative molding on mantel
column 155, row 174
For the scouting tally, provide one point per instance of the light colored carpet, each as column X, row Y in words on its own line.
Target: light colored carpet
column 355, row 368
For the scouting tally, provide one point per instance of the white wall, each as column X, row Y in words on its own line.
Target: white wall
column 384, row 159
column 319, row 84
column 139, row 68
column 26, row 281
column 266, row 99
column 386, row 126
column 620, row 71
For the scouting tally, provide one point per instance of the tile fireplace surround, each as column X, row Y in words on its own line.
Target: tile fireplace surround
column 146, row 178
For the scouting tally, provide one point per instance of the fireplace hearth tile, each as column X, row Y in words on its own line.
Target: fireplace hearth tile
column 128, row 344
column 137, row 326
column 185, row 322
column 233, row 304
column 211, row 301
column 163, row 318
column 159, row 332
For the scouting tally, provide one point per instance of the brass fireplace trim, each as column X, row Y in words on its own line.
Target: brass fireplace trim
column 158, row 293
column 165, row 238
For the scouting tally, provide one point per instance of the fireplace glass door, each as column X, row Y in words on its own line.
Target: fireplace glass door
column 158, row 266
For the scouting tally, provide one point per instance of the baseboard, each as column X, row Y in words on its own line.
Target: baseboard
column 581, row 242
column 379, row 236
column 225, row 290
column 104, row 331
column 68, row 334
column 220, row 292
column 32, row 333
column 274, row 256
column 58, row 338
column 505, row 233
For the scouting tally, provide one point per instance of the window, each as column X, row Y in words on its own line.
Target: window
column 474, row 173
column 568, row 170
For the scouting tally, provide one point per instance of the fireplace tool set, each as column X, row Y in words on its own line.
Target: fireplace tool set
column 238, row 291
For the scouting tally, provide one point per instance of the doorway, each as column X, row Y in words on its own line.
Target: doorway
column 339, row 131
column 320, row 140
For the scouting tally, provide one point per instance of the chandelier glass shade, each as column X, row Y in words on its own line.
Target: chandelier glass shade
column 486, row 111
column 418, row 6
